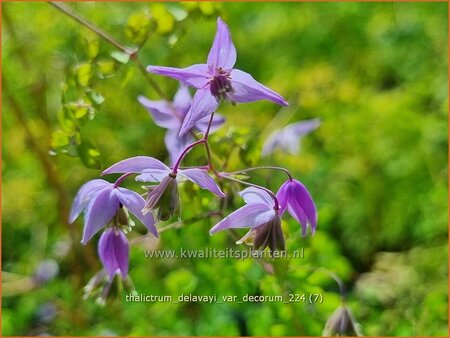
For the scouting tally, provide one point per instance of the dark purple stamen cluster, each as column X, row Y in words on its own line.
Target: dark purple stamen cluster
column 220, row 84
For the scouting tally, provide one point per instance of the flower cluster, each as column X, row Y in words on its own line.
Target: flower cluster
column 108, row 206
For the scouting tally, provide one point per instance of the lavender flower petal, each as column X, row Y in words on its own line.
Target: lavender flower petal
column 113, row 249
column 294, row 197
column 247, row 89
column 135, row 203
column 288, row 138
column 201, row 178
column 121, row 250
column 203, row 105
column 136, row 165
column 250, row 215
column 195, row 75
column 163, row 114
column 253, row 195
column 223, row 52
column 182, row 100
column 83, row 195
column 283, row 197
column 154, row 175
column 217, row 122
column 296, row 211
column 303, row 127
column 303, row 199
column 100, row 210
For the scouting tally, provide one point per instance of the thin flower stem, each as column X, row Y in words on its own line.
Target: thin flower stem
column 337, row 279
column 209, row 127
column 121, row 178
column 209, row 155
column 334, row 276
column 275, row 199
column 204, row 140
column 265, row 167
column 178, row 224
column 131, row 52
column 185, row 151
column 207, row 148
column 70, row 12
column 152, row 82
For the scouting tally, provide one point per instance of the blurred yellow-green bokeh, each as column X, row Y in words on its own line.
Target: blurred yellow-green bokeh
column 374, row 73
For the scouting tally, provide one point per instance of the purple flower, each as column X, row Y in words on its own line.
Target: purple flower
column 113, row 249
column 289, row 138
column 102, row 203
column 163, row 197
column 294, row 198
column 217, row 80
column 260, row 215
column 171, row 115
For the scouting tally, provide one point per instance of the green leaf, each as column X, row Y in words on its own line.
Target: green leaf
column 91, row 46
column 177, row 12
column 106, row 68
column 96, row 98
column 164, row 19
column 66, row 120
column 59, row 139
column 89, row 155
column 120, row 56
column 138, row 28
column 83, row 74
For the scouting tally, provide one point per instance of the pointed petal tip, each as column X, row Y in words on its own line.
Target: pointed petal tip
column 184, row 129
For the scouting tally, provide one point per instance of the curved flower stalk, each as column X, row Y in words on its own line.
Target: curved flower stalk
column 163, row 198
column 295, row 198
column 103, row 202
column 170, row 115
column 261, row 215
column 289, row 138
column 217, row 80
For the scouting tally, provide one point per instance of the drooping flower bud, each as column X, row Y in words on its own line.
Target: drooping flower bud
column 269, row 235
column 342, row 323
column 164, row 199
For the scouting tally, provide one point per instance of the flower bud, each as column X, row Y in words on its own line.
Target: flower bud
column 269, row 235
column 163, row 199
column 341, row 323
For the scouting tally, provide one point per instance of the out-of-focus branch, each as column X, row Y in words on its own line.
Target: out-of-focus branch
column 107, row 37
column 53, row 181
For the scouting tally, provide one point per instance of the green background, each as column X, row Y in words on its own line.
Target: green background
column 374, row 73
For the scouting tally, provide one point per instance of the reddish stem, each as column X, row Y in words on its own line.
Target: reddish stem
column 121, row 178
column 204, row 140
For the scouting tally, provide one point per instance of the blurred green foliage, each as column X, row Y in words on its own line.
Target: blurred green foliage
column 374, row 73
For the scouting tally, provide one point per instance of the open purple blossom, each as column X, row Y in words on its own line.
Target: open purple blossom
column 289, row 138
column 170, row 115
column 295, row 198
column 163, row 198
column 103, row 203
column 260, row 215
column 113, row 249
column 217, row 80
